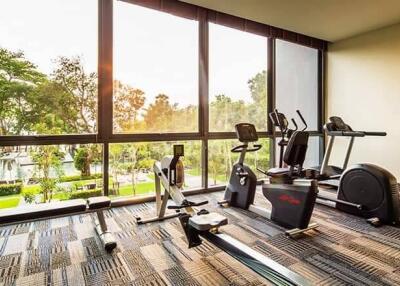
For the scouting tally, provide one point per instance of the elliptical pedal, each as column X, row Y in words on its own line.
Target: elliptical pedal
column 374, row 221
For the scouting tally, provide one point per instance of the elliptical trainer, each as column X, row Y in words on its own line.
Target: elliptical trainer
column 292, row 204
column 364, row 190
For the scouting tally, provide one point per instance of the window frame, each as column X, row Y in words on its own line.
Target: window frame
column 204, row 16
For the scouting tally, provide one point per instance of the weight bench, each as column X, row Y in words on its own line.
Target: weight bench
column 62, row 209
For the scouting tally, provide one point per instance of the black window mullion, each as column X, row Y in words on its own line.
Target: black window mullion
column 105, row 82
column 203, row 94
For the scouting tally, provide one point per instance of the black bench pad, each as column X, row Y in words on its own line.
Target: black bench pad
column 31, row 212
column 98, row 203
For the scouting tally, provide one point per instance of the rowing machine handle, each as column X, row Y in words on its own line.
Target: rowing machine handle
column 187, row 204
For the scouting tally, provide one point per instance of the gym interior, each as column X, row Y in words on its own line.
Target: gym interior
column 199, row 142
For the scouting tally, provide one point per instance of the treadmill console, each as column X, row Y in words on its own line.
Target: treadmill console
column 246, row 132
column 337, row 124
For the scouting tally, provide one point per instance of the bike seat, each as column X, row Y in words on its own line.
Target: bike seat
column 205, row 222
column 274, row 172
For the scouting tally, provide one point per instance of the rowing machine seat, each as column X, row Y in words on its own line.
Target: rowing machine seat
column 205, row 222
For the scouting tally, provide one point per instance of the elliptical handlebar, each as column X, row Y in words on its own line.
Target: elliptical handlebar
column 240, row 148
column 295, row 125
column 302, row 119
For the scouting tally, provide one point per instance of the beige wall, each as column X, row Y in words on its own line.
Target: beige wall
column 363, row 87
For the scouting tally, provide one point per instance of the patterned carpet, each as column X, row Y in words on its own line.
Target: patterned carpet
column 65, row 251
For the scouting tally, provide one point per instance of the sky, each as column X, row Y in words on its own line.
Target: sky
column 153, row 51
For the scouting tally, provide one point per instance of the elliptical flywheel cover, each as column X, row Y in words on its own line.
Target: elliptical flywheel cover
column 362, row 184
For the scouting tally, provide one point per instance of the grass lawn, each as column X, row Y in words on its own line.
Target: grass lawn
column 9, row 201
column 61, row 196
column 141, row 189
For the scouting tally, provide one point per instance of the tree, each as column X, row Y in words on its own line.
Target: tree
column 258, row 109
column 82, row 161
column 48, row 157
column 18, row 79
column 127, row 103
column 80, row 89
column 159, row 115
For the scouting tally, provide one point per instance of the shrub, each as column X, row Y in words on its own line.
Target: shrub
column 29, row 195
column 86, row 194
column 10, row 189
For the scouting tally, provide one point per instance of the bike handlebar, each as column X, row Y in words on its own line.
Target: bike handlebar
column 239, row 148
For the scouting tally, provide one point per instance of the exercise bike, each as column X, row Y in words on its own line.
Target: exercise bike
column 292, row 202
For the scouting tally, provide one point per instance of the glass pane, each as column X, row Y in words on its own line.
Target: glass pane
column 155, row 71
column 297, row 82
column 221, row 159
column 39, row 174
column 238, row 83
column 131, row 166
column 48, row 65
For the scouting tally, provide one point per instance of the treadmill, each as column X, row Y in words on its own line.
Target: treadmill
column 329, row 175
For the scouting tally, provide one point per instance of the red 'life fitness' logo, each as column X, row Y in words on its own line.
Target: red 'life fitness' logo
column 289, row 199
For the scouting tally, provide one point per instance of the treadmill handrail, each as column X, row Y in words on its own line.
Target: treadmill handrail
column 355, row 133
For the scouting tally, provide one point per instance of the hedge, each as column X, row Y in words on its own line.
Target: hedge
column 10, row 189
column 79, row 177
column 64, row 179
column 86, row 194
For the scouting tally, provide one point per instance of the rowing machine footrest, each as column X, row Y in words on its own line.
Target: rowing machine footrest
column 206, row 222
column 203, row 212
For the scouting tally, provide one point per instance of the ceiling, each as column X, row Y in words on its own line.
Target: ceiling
column 330, row 20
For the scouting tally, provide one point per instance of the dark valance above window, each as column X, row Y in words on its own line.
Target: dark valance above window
column 194, row 12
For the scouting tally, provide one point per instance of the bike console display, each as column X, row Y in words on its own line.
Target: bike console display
column 246, row 132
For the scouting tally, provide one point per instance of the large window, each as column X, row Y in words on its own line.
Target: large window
column 38, row 174
column 155, row 71
column 146, row 67
column 297, row 82
column 48, row 65
column 238, row 83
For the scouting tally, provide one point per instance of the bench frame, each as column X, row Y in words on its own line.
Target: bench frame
column 105, row 236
